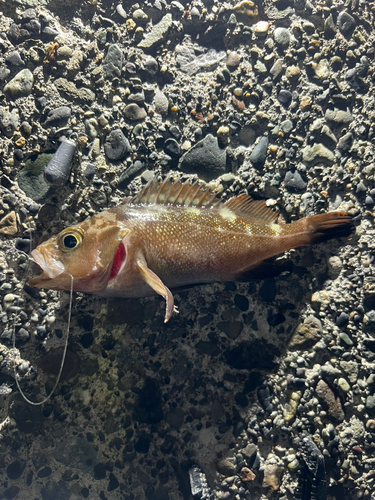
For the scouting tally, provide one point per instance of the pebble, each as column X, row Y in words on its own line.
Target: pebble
column 206, row 158
column 333, row 404
column 160, row 103
column 294, row 181
column 113, row 62
column 21, row 84
column 338, row 117
column 172, row 148
column 9, row 121
column 272, row 476
column 14, row 59
column 277, row 68
column 318, row 153
column 284, row 97
column 31, row 177
column 157, row 34
column 233, row 61
column 342, row 320
column 117, row 146
column 282, row 37
column 58, row 169
column 58, row 116
column 225, row 467
column 259, row 153
column 134, row 112
column 306, row 334
column 140, row 16
column 71, row 91
column 346, row 24
column 343, row 384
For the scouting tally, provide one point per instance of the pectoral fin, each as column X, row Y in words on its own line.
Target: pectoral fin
column 158, row 286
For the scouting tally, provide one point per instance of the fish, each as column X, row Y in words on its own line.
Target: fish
column 172, row 235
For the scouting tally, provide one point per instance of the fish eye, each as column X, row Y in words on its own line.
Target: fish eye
column 70, row 240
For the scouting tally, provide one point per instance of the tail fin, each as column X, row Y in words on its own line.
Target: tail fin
column 325, row 227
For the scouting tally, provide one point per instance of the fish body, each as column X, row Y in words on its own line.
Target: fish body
column 172, row 235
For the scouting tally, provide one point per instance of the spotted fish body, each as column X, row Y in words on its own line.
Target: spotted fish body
column 172, row 235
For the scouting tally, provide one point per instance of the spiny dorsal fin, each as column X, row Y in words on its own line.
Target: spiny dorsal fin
column 176, row 193
column 254, row 210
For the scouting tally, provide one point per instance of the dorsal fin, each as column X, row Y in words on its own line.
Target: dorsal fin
column 254, row 210
column 176, row 194
column 185, row 194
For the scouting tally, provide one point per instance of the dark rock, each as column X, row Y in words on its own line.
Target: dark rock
column 346, row 24
column 15, row 469
column 332, row 403
column 58, row 116
column 342, row 320
column 100, row 471
column 284, row 97
column 232, row 329
column 226, row 468
column 130, row 173
column 233, row 60
column 241, row 302
column 265, row 397
column 267, row 290
column 117, row 146
column 172, row 148
column 259, row 153
column 55, row 491
column 113, row 482
column 113, row 62
column 206, row 159
column 175, row 417
column 148, row 408
column 294, row 182
column 249, row 355
column 45, row 472
column 90, row 171
column 207, row 348
column 58, row 169
column 134, row 112
column 11, row 492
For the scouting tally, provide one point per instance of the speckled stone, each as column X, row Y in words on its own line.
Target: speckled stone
column 21, row 84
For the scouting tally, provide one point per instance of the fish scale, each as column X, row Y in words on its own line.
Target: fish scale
column 172, row 235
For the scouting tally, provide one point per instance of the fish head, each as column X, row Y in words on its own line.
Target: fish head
column 85, row 252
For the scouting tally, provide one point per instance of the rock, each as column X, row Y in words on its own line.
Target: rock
column 249, row 451
column 15, row 469
column 160, row 103
column 157, row 34
column 294, row 182
column 172, row 148
column 334, row 266
column 130, row 173
column 306, row 334
column 339, row 117
column 117, row 146
column 21, row 84
column 9, row 121
column 226, row 468
column 175, row 417
column 277, row 68
column 333, row 404
column 134, row 112
column 140, row 16
column 14, row 59
column 191, row 64
column 259, row 153
column 205, row 158
column 272, row 476
column 317, row 153
column 246, row 475
column 284, row 97
column 70, row 90
column 58, row 169
column 8, row 224
column 346, row 24
column 342, row 320
column 282, row 37
column 345, row 142
column 58, row 116
column 233, row 60
column 113, row 62
column 232, row 329
column 286, row 126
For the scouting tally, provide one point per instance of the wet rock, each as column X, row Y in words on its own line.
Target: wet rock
column 306, row 334
column 148, row 408
column 232, row 329
column 130, row 173
column 117, row 146
column 342, row 320
column 113, row 62
column 346, row 24
column 58, row 169
column 160, row 103
column 226, row 468
column 58, row 116
column 294, row 182
column 267, row 290
column 11, row 492
column 175, row 417
column 317, row 153
column 332, row 403
column 205, row 158
column 9, row 121
column 113, row 482
column 15, row 469
column 259, row 153
column 21, row 84
column 134, row 112
column 157, row 34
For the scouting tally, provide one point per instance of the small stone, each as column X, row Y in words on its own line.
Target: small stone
column 233, row 60
column 117, row 146
column 272, row 476
column 322, row 69
column 282, row 37
column 339, row 117
column 206, row 158
column 343, row 384
column 259, row 153
column 134, row 112
column 9, row 121
column 346, row 24
column 226, row 468
column 342, row 320
column 172, row 148
column 246, row 475
column 334, row 266
column 21, row 84
column 277, row 68
column 58, row 169
column 31, row 178
column 58, row 116
column 286, row 126
column 292, row 72
column 139, row 16
column 8, row 225
column 318, row 153
column 326, row 395
column 113, row 62
column 284, row 97
column 158, row 33
column 306, row 334
column 15, row 59
column 160, row 103
column 294, row 182
column 260, row 67
column 15, row 469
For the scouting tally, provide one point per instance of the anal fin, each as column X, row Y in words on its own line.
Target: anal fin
column 158, row 286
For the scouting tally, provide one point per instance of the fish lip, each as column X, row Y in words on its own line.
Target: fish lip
column 50, row 267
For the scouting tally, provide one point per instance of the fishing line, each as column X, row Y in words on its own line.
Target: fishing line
column 48, row 397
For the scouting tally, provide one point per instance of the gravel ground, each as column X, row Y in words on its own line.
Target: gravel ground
column 257, row 390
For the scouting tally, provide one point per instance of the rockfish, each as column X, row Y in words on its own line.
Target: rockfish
column 173, row 235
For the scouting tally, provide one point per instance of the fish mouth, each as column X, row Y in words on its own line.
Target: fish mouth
column 51, row 268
